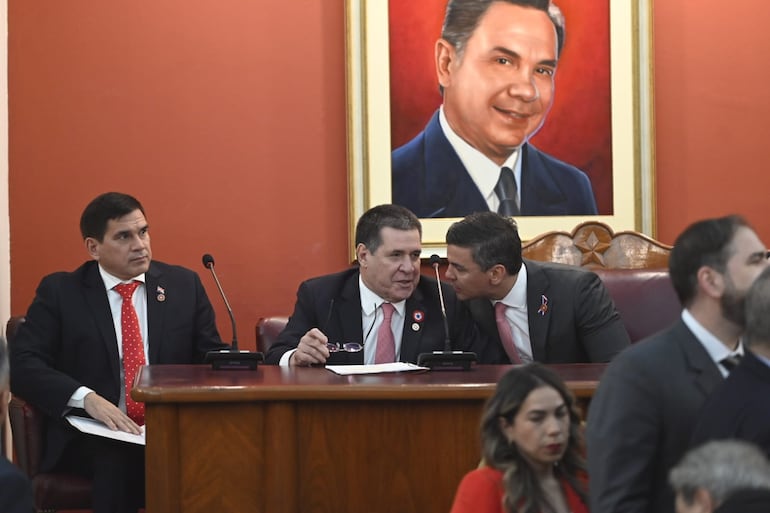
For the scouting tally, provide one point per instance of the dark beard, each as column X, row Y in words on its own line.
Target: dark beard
column 733, row 305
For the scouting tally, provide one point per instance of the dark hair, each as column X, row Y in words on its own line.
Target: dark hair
column 369, row 227
column 522, row 487
column 103, row 208
column 704, row 243
column 492, row 239
column 462, row 17
column 757, row 308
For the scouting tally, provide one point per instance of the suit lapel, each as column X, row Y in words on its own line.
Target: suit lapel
column 450, row 190
column 410, row 339
column 537, row 287
column 540, row 194
column 96, row 298
column 156, row 311
column 349, row 327
column 702, row 368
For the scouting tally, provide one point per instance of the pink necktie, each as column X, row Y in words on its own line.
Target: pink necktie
column 386, row 345
column 506, row 335
column 133, row 348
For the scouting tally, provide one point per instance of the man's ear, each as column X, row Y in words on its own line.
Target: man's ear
column 362, row 254
column 497, row 274
column 445, row 58
column 710, row 281
column 92, row 246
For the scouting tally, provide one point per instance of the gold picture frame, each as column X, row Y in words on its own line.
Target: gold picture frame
column 369, row 142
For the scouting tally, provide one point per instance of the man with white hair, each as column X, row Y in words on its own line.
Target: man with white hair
column 722, row 476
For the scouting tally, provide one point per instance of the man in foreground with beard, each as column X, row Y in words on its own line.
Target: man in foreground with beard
column 641, row 418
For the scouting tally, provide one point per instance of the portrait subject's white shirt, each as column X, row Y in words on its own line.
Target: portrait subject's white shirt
column 483, row 171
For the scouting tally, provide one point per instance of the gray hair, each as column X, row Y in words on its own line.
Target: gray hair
column 757, row 307
column 721, row 467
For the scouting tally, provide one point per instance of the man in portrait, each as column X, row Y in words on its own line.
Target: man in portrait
column 495, row 63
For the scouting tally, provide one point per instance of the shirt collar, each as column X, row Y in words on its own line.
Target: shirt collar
column 483, row 171
column 713, row 346
column 517, row 296
column 110, row 280
column 371, row 301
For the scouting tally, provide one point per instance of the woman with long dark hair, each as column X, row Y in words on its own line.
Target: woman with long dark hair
column 531, row 447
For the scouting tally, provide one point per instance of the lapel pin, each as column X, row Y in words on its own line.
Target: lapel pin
column 161, row 294
column 543, row 305
column 415, row 326
column 418, row 316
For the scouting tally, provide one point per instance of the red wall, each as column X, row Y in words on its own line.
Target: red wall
column 227, row 120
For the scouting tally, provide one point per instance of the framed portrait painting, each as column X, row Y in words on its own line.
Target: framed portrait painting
column 600, row 121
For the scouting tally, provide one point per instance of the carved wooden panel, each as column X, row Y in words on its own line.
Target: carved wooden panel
column 595, row 245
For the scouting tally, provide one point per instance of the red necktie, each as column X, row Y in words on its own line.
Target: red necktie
column 506, row 335
column 133, row 348
column 386, row 345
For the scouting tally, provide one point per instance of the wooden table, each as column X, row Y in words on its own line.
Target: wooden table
column 307, row 440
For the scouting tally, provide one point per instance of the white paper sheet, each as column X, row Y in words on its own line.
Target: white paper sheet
column 377, row 368
column 94, row 427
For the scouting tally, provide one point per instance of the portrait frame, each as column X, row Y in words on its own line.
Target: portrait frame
column 368, row 121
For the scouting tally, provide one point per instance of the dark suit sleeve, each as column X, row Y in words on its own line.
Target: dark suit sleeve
column 301, row 321
column 465, row 334
column 599, row 326
column 622, row 436
column 15, row 491
column 36, row 353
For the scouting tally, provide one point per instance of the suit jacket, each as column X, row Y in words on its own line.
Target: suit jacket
column 15, row 489
column 332, row 303
column 641, row 419
column 738, row 408
column 429, row 179
column 69, row 340
column 580, row 324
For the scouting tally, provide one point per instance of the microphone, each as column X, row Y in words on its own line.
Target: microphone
column 229, row 359
column 446, row 359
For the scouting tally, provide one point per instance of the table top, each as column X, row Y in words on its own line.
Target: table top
column 199, row 383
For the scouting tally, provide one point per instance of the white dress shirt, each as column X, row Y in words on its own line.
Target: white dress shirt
column 116, row 301
column 516, row 314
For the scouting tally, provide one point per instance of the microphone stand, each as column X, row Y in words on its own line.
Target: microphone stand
column 229, row 359
column 446, row 359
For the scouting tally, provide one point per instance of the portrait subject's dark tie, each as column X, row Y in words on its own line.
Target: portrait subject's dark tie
column 133, row 348
column 506, row 193
column 730, row 362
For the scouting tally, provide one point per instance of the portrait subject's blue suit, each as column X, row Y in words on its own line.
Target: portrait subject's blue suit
column 429, row 179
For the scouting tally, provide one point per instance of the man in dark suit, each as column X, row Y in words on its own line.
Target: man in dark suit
column 82, row 344
column 352, row 307
column 529, row 310
column 738, row 408
column 496, row 62
column 15, row 488
column 642, row 415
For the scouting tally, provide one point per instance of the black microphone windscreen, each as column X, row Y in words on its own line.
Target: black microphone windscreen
column 435, row 259
column 208, row 261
